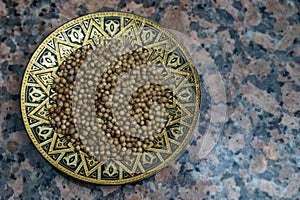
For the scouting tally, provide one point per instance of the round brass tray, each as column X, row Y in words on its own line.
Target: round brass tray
column 93, row 29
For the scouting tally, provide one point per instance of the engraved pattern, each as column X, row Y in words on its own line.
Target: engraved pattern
column 112, row 27
column 178, row 72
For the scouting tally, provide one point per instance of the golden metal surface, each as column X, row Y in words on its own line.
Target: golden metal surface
column 93, row 29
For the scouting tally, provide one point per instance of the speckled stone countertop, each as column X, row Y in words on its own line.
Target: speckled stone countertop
column 247, row 142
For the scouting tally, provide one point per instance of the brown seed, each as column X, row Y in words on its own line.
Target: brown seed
column 61, row 112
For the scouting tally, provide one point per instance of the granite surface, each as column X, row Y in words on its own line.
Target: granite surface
column 247, row 142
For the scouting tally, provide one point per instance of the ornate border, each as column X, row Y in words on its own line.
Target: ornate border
column 69, row 172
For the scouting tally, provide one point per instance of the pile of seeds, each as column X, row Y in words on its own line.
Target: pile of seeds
column 109, row 102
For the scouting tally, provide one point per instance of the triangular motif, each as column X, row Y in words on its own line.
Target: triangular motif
column 36, row 68
column 51, row 44
column 99, row 21
column 126, row 21
column 42, row 113
column 126, row 175
column 60, row 145
column 44, row 78
column 31, row 120
column 86, row 23
column 138, row 171
column 90, row 164
column 176, row 113
column 188, row 120
column 96, row 36
column 129, row 166
column 161, row 143
column 93, row 175
column 129, row 37
column 191, row 108
column 186, row 68
column 54, row 156
column 162, row 37
column 164, row 72
column 174, row 79
column 29, row 109
column 173, row 146
column 164, row 155
column 158, row 53
column 46, row 148
column 64, row 49
column 60, row 37
column 191, row 80
column 138, row 24
column 82, row 172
